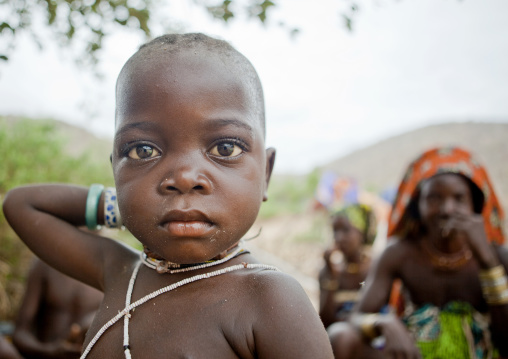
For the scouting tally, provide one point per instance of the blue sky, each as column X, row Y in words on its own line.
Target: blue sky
column 328, row 92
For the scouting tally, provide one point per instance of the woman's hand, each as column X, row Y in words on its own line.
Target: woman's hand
column 470, row 229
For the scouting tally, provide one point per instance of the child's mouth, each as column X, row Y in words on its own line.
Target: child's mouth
column 188, row 228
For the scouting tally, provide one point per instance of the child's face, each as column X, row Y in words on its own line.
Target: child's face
column 189, row 160
column 348, row 239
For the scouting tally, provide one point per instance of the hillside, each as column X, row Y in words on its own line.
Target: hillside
column 295, row 241
column 382, row 165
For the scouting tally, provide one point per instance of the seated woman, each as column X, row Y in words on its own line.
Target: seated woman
column 445, row 249
column 346, row 262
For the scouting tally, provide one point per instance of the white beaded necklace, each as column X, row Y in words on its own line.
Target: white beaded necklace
column 163, row 266
column 130, row 306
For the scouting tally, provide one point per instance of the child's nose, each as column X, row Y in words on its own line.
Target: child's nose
column 185, row 180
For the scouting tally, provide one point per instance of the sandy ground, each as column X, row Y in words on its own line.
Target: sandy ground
column 278, row 245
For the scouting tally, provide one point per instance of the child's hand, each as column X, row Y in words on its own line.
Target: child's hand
column 76, row 334
column 69, row 348
column 398, row 341
column 332, row 257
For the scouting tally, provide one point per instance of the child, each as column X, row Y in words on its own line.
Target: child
column 346, row 262
column 55, row 314
column 445, row 249
column 7, row 350
column 191, row 172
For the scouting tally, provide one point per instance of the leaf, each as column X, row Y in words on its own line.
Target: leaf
column 52, row 8
column 221, row 11
column 260, row 10
column 142, row 16
column 4, row 26
column 294, row 33
column 70, row 32
column 227, row 12
column 347, row 22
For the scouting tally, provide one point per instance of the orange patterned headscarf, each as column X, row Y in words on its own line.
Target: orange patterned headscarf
column 446, row 160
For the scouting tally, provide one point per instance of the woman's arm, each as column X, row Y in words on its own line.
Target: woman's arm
column 499, row 312
column 492, row 260
column 373, row 297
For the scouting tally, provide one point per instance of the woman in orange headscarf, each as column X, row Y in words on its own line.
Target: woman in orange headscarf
column 446, row 160
column 445, row 230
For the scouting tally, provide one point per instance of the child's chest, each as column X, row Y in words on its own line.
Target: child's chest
column 205, row 319
column 352, row 276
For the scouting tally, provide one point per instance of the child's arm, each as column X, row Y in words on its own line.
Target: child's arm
column 28, row 321
column 7, row 350
column 46, row 218
column 328, row 287
column 287, row 324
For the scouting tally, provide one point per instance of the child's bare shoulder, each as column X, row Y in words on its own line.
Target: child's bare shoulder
column 270, row 284
column 282, row 316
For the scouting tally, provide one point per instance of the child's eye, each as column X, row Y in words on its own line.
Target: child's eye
column 143, row 151
column 226, row 149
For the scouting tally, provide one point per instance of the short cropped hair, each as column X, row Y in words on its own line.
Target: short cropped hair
column 174, row 43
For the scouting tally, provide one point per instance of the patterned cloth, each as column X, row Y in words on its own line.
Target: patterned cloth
column 438, row 161
column 456, row 331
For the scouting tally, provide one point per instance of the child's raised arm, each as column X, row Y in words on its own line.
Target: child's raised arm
column 46, row 218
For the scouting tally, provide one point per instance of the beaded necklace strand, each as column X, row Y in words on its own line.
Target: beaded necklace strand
column 162, row 266
column 445, row 261
column 130, row 306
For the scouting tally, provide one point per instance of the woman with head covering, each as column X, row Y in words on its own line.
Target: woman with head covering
column 346, row 262
column 445, row 249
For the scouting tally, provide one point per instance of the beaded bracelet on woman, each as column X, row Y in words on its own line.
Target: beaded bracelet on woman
column 112, row 218
column 368, row 325
column 494, row 285
column 329, row 285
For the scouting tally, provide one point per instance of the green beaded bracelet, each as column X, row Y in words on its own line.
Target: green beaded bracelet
column 92, row 203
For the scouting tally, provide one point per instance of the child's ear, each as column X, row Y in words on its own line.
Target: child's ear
column 270, row 161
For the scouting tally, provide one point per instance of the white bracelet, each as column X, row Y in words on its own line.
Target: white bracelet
column 112, row 217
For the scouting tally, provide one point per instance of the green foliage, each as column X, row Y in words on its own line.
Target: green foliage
column 289, row 195
column 34, row 151
column 318, row 232
column 89, row 21
column 255, row 9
